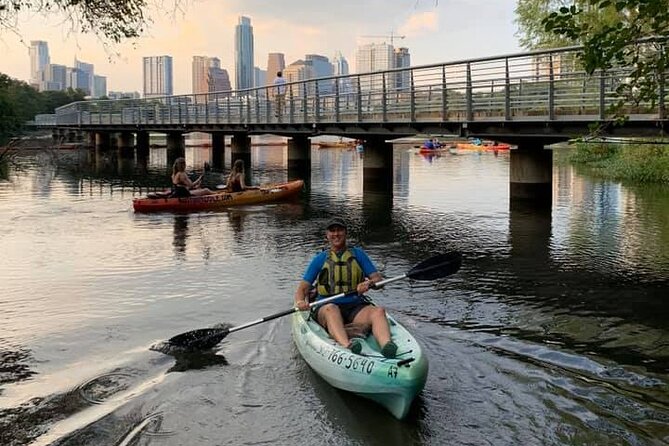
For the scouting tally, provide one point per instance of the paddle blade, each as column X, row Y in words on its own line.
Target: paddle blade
column 436, row 267
column 200, row 339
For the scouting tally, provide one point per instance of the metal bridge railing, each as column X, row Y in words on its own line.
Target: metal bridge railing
column 542, row 85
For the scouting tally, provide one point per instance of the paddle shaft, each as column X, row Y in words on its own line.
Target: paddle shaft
column 311, row 305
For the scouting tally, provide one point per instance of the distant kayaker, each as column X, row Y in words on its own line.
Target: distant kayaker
column 235, row 182
column 428, row 144
column 182, row 186
column 344, row 269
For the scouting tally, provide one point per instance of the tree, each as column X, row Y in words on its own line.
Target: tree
column 113, row 19
column 632, row 33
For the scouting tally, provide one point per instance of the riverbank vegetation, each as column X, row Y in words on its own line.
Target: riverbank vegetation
column 638, row 162
column 19, row 103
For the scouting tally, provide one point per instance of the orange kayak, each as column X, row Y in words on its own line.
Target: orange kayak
column 469, row 146
column 265, row 194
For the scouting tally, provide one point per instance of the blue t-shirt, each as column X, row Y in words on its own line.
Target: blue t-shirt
column 314, row 268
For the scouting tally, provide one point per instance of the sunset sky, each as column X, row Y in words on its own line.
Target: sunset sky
column 435, row 30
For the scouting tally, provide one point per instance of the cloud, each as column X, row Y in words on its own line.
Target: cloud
column 420, row 23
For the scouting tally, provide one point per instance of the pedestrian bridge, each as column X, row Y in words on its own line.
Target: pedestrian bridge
column 527, row 99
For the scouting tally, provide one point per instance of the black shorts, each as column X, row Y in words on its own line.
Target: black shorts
column 348, row 311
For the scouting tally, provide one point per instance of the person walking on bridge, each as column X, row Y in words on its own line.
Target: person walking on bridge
column 279, row 94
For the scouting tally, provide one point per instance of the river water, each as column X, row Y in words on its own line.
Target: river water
column 555, row 331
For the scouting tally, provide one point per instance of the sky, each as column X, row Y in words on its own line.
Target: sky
column 435, row 31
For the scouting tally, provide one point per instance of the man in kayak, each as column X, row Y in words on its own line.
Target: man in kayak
column 344, row 269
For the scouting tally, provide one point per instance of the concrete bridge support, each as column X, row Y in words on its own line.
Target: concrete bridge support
column 299, row 158
column 126, row 143
column 176, row 146
column 377, row 172
column 240, row 149
column 531, row 175
column 218, row 150
column 142, row 142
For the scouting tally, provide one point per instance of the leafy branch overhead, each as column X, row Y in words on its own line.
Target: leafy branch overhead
column 605, row 28
column 112, row 19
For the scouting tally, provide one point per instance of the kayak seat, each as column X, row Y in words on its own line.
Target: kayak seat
column 354, row 330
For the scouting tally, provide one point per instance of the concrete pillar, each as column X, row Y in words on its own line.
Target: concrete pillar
column 240, row 148
column 142, row 140
column 530, row 177
column 176, row 146
column 299, row 157
column 126, row 144
column 377, row 172
column 218, row 150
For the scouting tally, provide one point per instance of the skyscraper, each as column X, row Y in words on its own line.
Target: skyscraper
column 39, row 59
column 244, row 54
column 85, row 74
column 56, row 77
column 374, row 57
column 275, row 62
column 99, row 86
column 208, row 76
column 157, row 75
column 299, row 70
column 403, row 60
column 341, row 69
column 322, row 68
column 200, row 70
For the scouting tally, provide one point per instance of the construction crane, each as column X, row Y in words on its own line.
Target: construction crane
column 392, row 37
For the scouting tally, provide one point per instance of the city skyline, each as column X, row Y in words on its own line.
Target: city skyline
column 435, row 32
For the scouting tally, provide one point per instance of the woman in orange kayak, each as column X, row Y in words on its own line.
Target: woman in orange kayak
column 182, row 186
column 235, row 181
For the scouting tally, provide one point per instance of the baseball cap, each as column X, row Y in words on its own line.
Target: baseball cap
column 336, row 221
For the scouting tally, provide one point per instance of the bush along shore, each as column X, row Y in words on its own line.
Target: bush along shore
column 637, row 162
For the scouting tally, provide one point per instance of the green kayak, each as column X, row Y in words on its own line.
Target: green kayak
column 393, row 383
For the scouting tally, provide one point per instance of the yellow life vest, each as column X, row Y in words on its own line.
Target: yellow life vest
column 340, row 274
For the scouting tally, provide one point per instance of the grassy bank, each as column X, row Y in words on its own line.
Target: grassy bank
column 642, row 163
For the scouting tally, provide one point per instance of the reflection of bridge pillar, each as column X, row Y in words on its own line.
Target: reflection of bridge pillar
column 299, row 157
column 529, row 239
column 218, row 150
column 125, row 142
column 90, row 140
column 71, row 136
column 142, row 141
column 57, row 136
column 176, row 147
column 102, row 141
column 530, row 176
column 240, row 149
column 377, row 210
column 377, row 172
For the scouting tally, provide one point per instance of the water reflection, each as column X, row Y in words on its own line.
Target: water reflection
column 180, row 234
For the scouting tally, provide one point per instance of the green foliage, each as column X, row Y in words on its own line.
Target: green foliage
column 639, row 163
column 611, row 41
column 113, row 19
column 19, row 102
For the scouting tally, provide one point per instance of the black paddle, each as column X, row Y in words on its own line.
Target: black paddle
column 433, row 268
